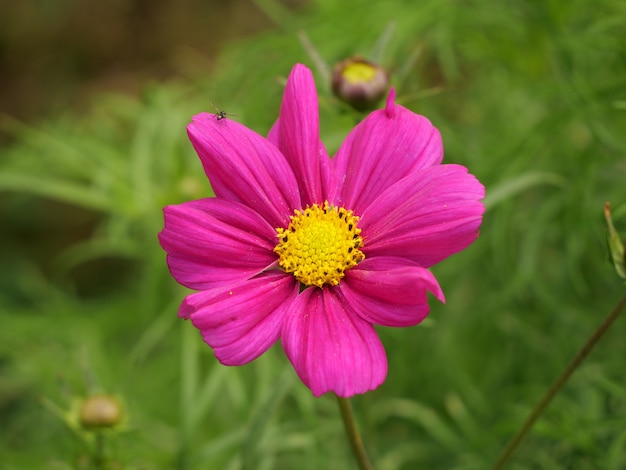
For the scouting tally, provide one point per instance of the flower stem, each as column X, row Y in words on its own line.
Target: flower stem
column 98, row 454
column 559, row 383
column 353, row 434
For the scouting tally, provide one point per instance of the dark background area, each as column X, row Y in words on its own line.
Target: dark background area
column 55, row 53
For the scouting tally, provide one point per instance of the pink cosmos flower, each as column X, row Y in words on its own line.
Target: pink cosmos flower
column 316, row 251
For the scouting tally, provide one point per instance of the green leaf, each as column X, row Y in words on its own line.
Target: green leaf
column 616, row 246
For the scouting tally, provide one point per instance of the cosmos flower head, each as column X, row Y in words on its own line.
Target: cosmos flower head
column 313, row 251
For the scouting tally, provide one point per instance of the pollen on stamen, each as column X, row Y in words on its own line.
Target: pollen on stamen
column 320, row 244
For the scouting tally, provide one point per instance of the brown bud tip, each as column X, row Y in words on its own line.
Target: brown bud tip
column 360, row 83
column 100, row 411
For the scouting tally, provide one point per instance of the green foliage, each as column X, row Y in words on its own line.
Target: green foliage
column 528, row 95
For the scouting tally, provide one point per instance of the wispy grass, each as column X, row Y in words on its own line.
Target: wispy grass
column 528, row 95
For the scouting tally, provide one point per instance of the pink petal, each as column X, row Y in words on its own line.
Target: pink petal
column 426, row 217
column 214, row 242
column 390, row 291
column 244, row 167
column 242, row 321
column 385, row 147
column 297, row 135
column 331, row 347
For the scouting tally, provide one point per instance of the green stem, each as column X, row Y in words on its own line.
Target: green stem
column 98, row 455
column 558, row 384
column 189, row 387
column 353, row 434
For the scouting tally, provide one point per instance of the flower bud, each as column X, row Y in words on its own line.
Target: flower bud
column 359, row 83
column 100, row 411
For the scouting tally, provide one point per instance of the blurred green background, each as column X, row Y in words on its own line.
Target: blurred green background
column 530, row 95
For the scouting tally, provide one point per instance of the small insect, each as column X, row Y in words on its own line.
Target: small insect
column 219, row 114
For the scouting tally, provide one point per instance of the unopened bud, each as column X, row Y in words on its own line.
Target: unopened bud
column 100, row 411
column 360, row 83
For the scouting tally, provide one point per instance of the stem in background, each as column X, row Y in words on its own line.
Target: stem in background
column 98, row 454
column 353, row 434
column 559, row 383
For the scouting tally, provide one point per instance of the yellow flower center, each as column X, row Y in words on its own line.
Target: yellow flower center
column 359, row 72
column 320, row 244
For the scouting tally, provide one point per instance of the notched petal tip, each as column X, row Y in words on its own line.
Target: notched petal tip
column 200, row 120
column 331, row 347
column 299, row 68
column 390, row 291
column 185, row 309
column 241, row 321
column 300, row 82
column 390, row 106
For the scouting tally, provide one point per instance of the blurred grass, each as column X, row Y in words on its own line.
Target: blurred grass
column 528, row 95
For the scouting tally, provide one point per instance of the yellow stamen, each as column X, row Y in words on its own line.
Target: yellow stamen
column 320, row 244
